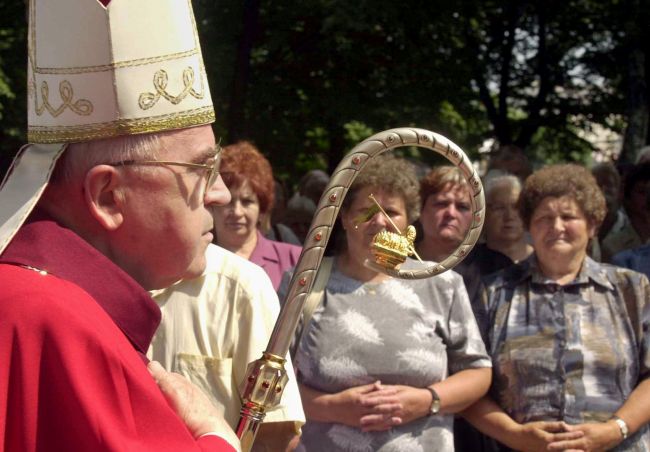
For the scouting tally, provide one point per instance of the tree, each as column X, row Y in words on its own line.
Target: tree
column 322, row 71
column 636, row 46
column 13, row 91
column 306, row 80
column 544, row 67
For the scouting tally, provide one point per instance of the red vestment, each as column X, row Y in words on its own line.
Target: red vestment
column 72, row 373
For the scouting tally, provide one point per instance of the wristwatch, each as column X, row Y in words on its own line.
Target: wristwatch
column 435, row 401
column 625, row 431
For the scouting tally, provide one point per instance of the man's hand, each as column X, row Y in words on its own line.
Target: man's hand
column 190, row 404
column 596, row 437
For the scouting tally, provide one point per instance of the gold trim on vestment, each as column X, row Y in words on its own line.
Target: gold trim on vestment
column 176, row 120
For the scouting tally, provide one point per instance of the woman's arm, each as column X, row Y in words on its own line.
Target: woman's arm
column 491, row 420
column 371, row 406
column 456, row 392
column 606, row 435
column 635, row 411
column 463, row 388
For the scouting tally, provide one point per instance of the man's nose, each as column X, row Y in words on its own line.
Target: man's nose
column 217, row 194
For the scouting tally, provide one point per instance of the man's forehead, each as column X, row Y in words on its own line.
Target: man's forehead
column 192, row 144
column 206, row 154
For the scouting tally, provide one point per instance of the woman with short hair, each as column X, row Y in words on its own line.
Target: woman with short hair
column 249, row 177
column 446, row 212
column 505, row 241
column 568, row 336
column 384, row 362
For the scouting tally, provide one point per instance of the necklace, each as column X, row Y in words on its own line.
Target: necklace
column 37, row 270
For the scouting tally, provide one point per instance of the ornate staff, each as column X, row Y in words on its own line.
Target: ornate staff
column 265, row 378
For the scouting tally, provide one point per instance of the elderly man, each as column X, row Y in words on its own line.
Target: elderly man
column 119, row 126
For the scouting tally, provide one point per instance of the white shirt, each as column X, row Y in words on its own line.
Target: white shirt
column 214, row 325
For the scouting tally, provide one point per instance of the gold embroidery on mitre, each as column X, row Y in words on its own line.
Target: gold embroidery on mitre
column 160, row 79
column 83, row 132
column 81, row 107
column 31, row 90
column 117, row 64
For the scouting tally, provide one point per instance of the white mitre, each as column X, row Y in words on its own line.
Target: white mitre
column 100, row 69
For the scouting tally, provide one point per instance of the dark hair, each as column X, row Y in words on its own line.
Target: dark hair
column 242, row 162
column 313, row 183
column 606, row 169
column 638, row 173
column 556, row 181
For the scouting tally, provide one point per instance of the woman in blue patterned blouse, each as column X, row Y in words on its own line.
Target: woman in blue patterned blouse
column 568, row 336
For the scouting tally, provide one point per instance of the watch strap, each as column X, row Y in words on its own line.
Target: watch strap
column 622, row 425
column 435, row 401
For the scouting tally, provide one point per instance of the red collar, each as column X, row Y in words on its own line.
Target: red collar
column 44, row 244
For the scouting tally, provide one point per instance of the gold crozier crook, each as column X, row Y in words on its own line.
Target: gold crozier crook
column 265, row 378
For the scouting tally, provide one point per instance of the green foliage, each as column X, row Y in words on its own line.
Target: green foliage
column 306, row 81
column 539, row 65
column 551, row 146
column 355, row 132
column 13, row 62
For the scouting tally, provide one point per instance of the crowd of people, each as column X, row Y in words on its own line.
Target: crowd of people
column 143, row 267
column 565, row 325
column 518, row 353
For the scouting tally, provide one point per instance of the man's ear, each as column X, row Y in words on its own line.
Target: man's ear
column 104, row 197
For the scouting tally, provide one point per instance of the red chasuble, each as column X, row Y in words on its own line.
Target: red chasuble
column 72, row 373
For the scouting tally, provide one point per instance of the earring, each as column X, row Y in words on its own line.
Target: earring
column 356, row 226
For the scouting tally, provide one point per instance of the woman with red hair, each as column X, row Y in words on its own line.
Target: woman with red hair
column 249, row 177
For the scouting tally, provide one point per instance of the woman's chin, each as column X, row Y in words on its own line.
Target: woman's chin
column 237, row 232
column 558, row 252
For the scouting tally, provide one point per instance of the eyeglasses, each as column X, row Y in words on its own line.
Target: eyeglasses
column 212, row 169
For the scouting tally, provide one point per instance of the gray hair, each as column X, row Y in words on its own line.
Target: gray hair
column 493, row 181
column 79, row 157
